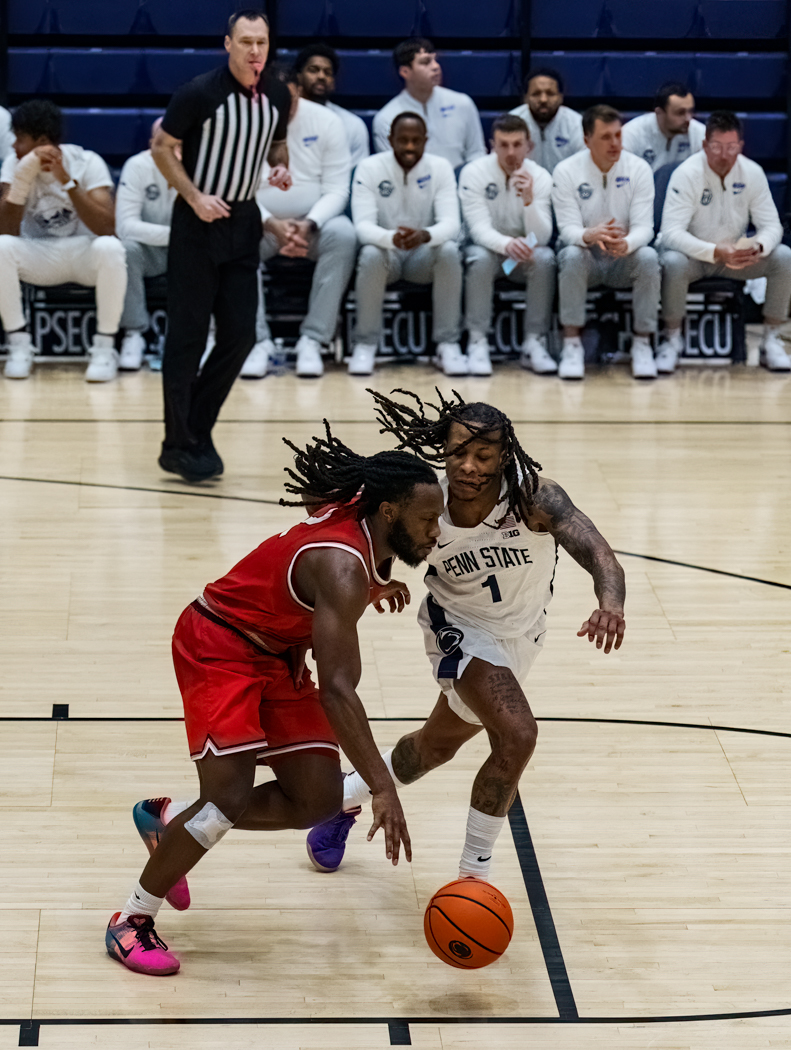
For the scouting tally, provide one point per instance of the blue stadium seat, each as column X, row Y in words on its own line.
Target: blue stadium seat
column 742, row 75
column 104, row 71
column 398, row 18
column 110, row 132
column 777, row 184
column 765, row 135
column 670, row 20
column 475, row 73
column 120, row 17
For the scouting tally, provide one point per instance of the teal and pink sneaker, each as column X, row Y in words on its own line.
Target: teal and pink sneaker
column 135, row 943
column 147, row 816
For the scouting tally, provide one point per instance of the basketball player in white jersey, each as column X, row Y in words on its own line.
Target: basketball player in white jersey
column 489, row 584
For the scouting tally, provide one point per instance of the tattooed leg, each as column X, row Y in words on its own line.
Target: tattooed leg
column 435, row 743
column 496, row 697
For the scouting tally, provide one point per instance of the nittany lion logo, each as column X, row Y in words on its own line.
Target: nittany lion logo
column 385, row 188
column 449, row 639
column 491, row 191
column 585, row 190
column 460, row 950
column 707, row 197
column 152, row 192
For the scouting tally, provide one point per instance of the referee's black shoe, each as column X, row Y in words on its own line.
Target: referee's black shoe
column 200, row 464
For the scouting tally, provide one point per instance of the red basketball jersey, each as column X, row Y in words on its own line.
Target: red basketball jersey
column 257, row 596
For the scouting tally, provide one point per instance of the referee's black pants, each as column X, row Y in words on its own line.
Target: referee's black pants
column 212, row 269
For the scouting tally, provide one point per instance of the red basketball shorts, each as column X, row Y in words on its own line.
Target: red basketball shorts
column 237, row 698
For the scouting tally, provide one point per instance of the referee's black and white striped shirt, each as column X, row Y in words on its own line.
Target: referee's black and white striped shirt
column 225, row 132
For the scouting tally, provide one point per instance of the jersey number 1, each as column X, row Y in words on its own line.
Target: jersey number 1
column 491, row 583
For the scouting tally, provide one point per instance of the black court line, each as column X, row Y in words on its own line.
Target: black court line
column 542, row 914
column 142, row 488
column 704, row 568
column 516, row 422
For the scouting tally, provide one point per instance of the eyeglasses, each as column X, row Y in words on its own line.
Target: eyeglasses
column 719, row 150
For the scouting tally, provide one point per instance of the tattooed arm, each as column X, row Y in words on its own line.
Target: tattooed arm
column 577, row 534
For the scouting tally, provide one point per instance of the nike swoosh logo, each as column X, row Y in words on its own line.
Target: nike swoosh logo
column 441, row 545
column 481, row 859
column 126, row 952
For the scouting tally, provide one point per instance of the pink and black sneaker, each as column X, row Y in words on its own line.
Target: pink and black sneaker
column 136, row 944
column 147, row 816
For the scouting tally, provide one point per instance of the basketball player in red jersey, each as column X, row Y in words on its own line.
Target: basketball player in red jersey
column 239, row 654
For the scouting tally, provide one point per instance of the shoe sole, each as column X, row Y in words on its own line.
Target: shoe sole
column 317, row 865
column 192, row 479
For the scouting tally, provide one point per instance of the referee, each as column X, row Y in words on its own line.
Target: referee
column 217, row 131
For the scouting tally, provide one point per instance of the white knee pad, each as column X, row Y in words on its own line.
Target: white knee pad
column 208, row 826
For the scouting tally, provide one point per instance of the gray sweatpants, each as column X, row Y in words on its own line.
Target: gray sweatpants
column 582, row 268
column 484, row 266
column 439, row 266
column 142, row 260
column 333, row 249
column 679, row 271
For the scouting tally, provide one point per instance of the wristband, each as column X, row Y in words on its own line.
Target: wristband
column 70, row 185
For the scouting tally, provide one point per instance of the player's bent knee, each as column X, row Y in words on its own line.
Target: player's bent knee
column 516, row 744
column 209, row 825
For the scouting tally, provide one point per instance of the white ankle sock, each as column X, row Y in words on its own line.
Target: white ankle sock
column 356, row 791
column 141, row 903
column 482, row 832
column 172, row 809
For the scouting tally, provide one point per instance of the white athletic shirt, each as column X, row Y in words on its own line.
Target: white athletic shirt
column 7, row 136
column 643, row 137
column 499, row 580
column 562, row 137
column 320, row 165
column 144, row 202
column 452, row 119
column 49, row 211
column 493, row 212
column 356, row 132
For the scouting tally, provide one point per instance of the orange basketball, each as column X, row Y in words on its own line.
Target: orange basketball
column 468, row 924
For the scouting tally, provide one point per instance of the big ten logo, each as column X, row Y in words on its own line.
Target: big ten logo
column 62, row 331
column 709, row 333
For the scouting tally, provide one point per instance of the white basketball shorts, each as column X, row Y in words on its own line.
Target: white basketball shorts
column 451, row 645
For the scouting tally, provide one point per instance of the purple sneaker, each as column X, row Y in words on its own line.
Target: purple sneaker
column 147, row 816
column 327, row 842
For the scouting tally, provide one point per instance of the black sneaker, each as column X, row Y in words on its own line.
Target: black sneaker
column 189, row 465
column 210, row 456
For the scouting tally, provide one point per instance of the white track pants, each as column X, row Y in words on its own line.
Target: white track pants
column 98, row 262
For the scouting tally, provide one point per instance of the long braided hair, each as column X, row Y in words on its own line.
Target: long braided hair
column 427, row 438
column 327, row 471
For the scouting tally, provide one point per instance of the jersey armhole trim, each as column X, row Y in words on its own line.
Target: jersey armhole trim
column 372, row 557
column 309, row 546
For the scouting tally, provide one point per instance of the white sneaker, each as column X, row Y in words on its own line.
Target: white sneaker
column 478, row 361
column 643, row 363
column 132, row 349
column 309, row 362
column 21, row 352
column 451, row 360
column 572, row 360
column 361, row 363
column 773, row 354
column 536, row 356
column 667, row 353
column 103, row 365
column 257, row 363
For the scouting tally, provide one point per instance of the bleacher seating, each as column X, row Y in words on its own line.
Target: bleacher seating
column 399, row 18
column 185, row 18
column 670, row 20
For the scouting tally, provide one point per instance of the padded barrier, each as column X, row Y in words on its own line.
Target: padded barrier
column 669, row 20
column 122, row 17
column 399, row 18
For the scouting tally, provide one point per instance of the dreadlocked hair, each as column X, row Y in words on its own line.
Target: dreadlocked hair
column 327, row 471
column 427, row 438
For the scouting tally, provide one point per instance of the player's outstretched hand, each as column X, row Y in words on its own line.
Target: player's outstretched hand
column 396, row 595
column 388, row 814
column 606, row 627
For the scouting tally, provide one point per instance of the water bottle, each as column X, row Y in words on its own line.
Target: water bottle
column 277, row 363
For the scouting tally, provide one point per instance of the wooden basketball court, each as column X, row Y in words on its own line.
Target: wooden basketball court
column 647, row 858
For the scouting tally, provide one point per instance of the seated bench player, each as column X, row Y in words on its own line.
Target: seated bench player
column 57, row 220
column 712, row 199
column 306, row 222
column 315, row 68
column 143, row 208
column 405, row 209
column 555, row 130
column 670, row 134
column 506, row 198
column 604, row 205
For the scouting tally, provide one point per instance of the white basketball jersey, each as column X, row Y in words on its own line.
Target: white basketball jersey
column 498, row 579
